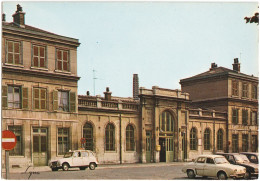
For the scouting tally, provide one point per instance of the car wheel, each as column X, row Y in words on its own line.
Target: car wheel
column 92, row 166
column 54, row 169
column 82, row 168
column 222, row 176
column 65, row 166
column 190, row 174
column 247, row 175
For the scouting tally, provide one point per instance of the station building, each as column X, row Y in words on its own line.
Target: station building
column 215, row 111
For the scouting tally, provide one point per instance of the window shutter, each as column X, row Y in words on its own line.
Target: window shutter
column 25, row 100
column 251, row 119
column 36, row 96
column 43, row 98
column 72, row 102
column 55, row 100
column 4, row 96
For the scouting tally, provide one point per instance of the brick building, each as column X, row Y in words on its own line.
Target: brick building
column 40, row 104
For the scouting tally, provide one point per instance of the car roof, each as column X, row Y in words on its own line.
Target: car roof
column 250, row 153
column 227, row 153
column 211, row 156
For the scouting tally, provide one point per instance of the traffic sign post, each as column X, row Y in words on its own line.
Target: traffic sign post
column 8, row 143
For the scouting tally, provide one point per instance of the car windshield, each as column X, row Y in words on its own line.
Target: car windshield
column 221, row 160
column 68, row 154
column 241, row 158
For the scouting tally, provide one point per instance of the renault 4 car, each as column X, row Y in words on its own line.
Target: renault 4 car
column 213, row 166
column 78, row 158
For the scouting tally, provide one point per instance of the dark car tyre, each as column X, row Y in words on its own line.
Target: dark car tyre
column 82, row 168
column 54, row 169
column 222, row 176
column 92, row 166
column 247, row 175
column 65, row 166
column 190, row 174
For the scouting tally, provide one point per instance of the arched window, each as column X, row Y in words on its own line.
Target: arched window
column 110, row 137
column 166, row 122
column 207, row 139
column 193, row 139
column 88, row 135
column 130, row 140
column 220, row 139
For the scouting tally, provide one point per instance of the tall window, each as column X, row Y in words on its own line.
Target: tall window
column 234, row 143
column 245, row 90
column 88, row 135
column 220, row 139
column 110, row 137
column 207, row 139
column 63, row 140
column 62, row 60
column 14, row 97
column 193, row 139
column 254, row 143
column 39, row 98
column 63, row 100
column 234, row 88
column 130, row 140
column 245, row 117
column 18, row 149
column 166, row 122
column 13, row 50
column 39, row 54
column 254, row 91
column 235, row 116
column 245, row 142
column 254, row 118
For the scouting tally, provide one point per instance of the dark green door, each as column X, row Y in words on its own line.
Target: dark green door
column 148, row 146
column 39, row 146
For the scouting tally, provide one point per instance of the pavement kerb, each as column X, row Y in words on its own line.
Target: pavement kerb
column 101, row 166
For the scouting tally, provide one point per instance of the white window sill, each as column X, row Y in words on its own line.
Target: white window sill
column 39, row 68
column 62, row 72
column 13, row 65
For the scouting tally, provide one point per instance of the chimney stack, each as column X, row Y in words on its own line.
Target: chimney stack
column 107, row 94
column 3, row 17
column 213, row 65
column 135, row 86
column 236, row 65
column 18, row 17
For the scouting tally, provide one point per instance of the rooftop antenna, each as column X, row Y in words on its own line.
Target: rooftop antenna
column 94, row 80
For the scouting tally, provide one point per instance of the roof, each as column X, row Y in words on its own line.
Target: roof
column 228, row 153
column 212, row 156
column 217, row 71
column 249, row 153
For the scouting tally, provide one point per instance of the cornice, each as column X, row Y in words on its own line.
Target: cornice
column 37, row 73
column 95, row 109
column 250, row 101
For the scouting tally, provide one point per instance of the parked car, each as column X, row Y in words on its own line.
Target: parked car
column 242, row 160
column 252, row 156
column 213, row 166
column 78, row 158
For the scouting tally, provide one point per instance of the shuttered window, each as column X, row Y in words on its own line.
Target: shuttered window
column 234, row 88
column 235, row 116
column 110, row 137
column 13, row 52
column 254, row 91
column 244, row 90
column 18, row 149
column 62, row 60
column 14, row 97
column 64, row 100
column 39, row 56
column 39, row 98
column 245, row 142
column 245, row 117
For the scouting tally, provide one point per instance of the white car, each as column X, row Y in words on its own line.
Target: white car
column 213, row 166
column 78, row 158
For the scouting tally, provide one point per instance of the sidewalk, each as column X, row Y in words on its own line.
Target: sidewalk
column 101, row 166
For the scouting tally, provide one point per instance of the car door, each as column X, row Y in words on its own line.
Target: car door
column 77, row 159
column 85, row 156
column 199, row 165
column 209, row 168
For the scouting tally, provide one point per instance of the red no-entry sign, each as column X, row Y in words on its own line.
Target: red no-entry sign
column 8, row 140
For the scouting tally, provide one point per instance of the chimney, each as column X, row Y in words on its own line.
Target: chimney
column 107, row 94
column 3, row 17
column 213, row 65
column 135, row 86
column 18, row 17
column 236, row 65
column 88, row 93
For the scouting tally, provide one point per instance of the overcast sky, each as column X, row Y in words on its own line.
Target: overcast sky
column 162, row 42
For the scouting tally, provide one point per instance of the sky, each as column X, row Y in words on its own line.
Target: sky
column 162, row 42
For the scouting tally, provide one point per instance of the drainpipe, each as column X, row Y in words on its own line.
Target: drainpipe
column 120, row 137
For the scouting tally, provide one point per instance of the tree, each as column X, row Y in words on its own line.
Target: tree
column 253, row 19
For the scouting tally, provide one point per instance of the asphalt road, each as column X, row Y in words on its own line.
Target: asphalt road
column 159, row 172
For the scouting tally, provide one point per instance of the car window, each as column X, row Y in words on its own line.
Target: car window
column 68, row 154
column 210, row 161
column 230, row 158
column 76, row 154
column 84, row 154
column 221, row 160
column 241, row 158
column 252, row 157
column 201, row 160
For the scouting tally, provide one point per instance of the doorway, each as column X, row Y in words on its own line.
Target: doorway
column 163, row 150
column 148, row 146
column 166, row 153
column 40, row 146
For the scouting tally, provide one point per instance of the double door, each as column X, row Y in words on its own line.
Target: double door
column 166, row 153
column 40, row 146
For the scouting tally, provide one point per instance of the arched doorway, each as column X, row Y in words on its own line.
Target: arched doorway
column 166, row 127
